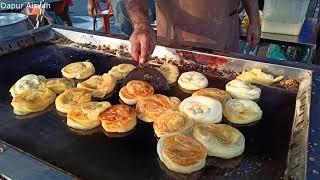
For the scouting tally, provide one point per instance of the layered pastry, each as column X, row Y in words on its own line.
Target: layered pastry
column 172, row 122
column 221, row 140
column 99, row 86
column 181, row 153
column 86, row 115
column 192, row 81
column 259, row 77
column 33, row 100
column 58, row 85
column 151, row 107
column 71, row 99
column 175, row 100
column 26, row 83
column 243, row 90
column 78, row 70
column 218, row 94
column 202, row 109
column 120, row 71
column 242, row 111
column 135, row 90
column 170, row 72
column 118, row 118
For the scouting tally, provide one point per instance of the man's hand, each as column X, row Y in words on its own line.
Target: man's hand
column 91, row 6
column 143, row 42
column 253, row 34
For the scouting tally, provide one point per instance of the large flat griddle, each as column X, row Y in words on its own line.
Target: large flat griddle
column 97, row 155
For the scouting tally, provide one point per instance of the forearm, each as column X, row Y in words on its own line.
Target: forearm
column 138, row 13
column 252, row 9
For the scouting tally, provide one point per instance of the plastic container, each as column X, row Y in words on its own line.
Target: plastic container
column 284, row 16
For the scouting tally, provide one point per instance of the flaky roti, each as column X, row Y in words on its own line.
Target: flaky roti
column 118, row 118
column 202, row 109
column 192, row 81
column 181, row 153
column 151, row 107
column 218, row 94
column 26, row 83
column 172, row 122
column 33, row 100
column 134, row 91
column 58, row 85
column 78, row 70
column 221, row 140
column 99, row 86
column 242, row 111
column 170, row 72
column 120, row 71
column 239, row 89
column 71, row 98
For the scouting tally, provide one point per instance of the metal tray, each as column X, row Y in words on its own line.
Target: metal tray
column 282, row 145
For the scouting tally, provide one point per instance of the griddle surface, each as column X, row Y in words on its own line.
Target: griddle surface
column 96, row 156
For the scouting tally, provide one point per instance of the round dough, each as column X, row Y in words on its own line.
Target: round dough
column 26, row 83
column 135, row 90
column 78, row 70
column 181, row 153
column 242, row 111
column 202, row 109
column 192, row 81
column 118, row 118
column 218, row 94
column 259, row 77
column 71, row 99
column 170, row 72
column 34, row 100
column 86, row 116
column 58, row 85
column 120, row 71
column 172, row 122
column 151, row 107
column 99, row 86
column 221, row 140
column 243, row 90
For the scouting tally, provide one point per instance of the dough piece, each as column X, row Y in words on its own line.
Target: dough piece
column 26, row 83
column 99, row 86
column 259, row 77
column 71, row 99
column 181, row 153
column 243, row 90
column 218, row 94
column 151, row 107
column 58, row 85
column 78, row 70
column 135, row 90
column 202, row 109
column 171, row 123
column 221, row 140
column 192, row 81
column 170, row 72
column 118, row 118
column 86, row 115
column 175, row 100
column 33, row 100
column 242, row 111
column 120, row 71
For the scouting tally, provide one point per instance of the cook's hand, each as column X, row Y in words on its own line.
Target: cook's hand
column 253, row 34
column 91, row 7
column 143, row 42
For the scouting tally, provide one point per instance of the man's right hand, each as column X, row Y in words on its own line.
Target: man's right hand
column 143, row 42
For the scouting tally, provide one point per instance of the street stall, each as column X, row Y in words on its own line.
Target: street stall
column 282, row 143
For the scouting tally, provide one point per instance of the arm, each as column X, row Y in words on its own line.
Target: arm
column 254, row 29
column 143, row 38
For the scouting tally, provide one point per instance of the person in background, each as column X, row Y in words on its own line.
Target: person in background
column 59, row 13
column 120, row 14
column 210, row 24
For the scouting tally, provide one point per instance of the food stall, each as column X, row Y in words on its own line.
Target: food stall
column 283, row 144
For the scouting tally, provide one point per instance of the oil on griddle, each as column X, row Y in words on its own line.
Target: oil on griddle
column 97, row 156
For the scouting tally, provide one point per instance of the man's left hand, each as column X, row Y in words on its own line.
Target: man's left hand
column 253, row 34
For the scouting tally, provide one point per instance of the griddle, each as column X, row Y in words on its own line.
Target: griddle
column 274, row 145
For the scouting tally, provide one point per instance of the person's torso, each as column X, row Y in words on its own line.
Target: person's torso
column 211, row 23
